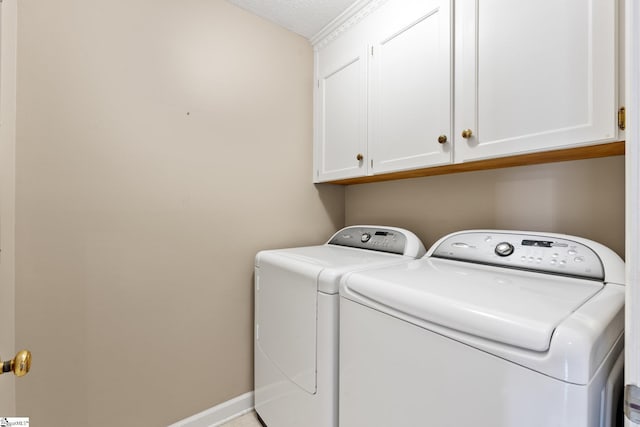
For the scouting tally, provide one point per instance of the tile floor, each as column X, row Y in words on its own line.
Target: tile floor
column 248, row 420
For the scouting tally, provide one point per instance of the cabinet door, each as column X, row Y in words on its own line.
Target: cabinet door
column 410, row 105
column 341, row 102
column 534, row 75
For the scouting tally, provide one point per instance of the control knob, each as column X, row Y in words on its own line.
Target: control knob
column 504, row 249
column 365, row 237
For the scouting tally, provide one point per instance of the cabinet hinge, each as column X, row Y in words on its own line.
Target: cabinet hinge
column 622, row 118
column 371, row 50
column 318, row 84
column 371, row 163
column 632, row 402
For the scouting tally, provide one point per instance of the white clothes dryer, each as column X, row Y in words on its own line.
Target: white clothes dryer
column 296, row 320
column 489, row 329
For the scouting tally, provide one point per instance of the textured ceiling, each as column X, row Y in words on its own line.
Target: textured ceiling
column 305, row 17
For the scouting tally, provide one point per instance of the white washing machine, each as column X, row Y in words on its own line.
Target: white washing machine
column 296, row 320
column 489, row 329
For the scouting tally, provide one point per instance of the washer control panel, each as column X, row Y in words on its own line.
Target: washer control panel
column 376, row 239
column 528, row 252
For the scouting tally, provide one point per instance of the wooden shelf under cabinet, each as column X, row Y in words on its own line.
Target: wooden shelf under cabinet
column 579, row 153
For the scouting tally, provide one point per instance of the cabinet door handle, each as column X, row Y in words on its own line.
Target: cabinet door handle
column 359, row 157
column 466, row 134
column 442, row 139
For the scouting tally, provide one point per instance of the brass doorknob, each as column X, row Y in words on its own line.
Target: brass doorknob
column 359, row 157
column 442, row 139
column 466, row 134
column 19, row 365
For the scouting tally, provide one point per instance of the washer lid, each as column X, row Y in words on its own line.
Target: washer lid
column 331, row 260
column 517, row 308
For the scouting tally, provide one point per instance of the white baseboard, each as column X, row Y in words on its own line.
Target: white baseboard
column 220, row 414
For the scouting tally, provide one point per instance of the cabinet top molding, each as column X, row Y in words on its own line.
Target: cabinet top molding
column 347, row 19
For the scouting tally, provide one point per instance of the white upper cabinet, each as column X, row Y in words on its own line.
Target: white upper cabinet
column 396, row 91
column 341, row 110
column 534, row 76
column 410, row 86
column 383, row 91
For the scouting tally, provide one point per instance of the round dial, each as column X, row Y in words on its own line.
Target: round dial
column 365, row 237
column 504, row 249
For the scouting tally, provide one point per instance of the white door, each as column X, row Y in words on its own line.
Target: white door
column 411, row 93
column 341, row 110
column 534, row 75
column 632, row 101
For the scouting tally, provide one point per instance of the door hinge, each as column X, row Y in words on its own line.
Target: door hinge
column 371, row 50
column 622, row 118
column 632, row 403
column 371, row 163
column 318, row 84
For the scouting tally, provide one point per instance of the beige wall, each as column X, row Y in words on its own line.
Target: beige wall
column 584, row 198
column 160, row 145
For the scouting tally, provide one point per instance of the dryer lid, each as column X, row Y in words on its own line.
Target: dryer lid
column 517, row 308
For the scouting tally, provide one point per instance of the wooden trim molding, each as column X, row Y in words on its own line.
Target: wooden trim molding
column 578, row 153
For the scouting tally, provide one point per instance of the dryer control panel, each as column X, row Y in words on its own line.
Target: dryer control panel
column 549, row 254
column 381, row 239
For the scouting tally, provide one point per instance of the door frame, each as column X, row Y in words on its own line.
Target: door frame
column 8, row 46
column 632, row 163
